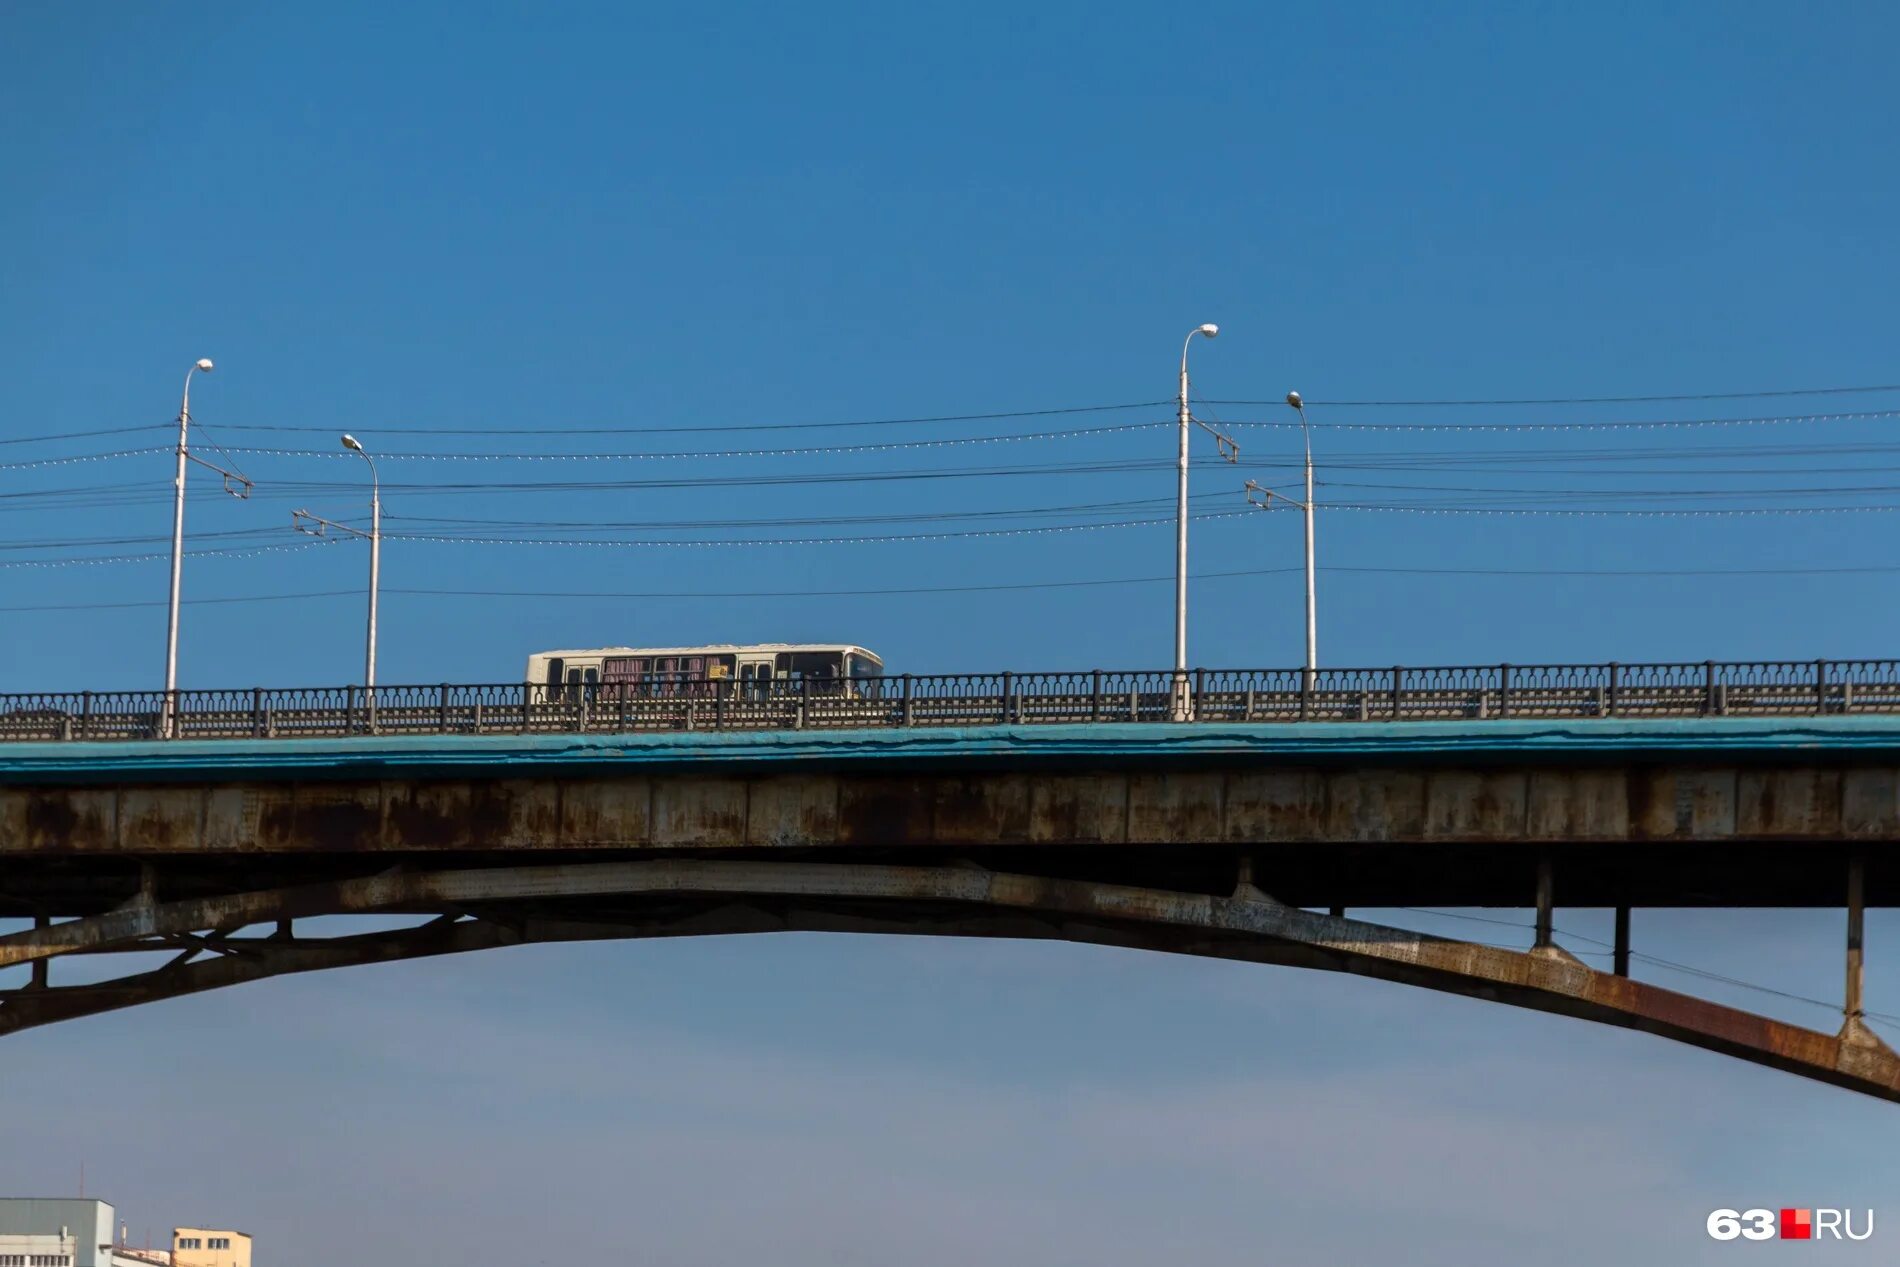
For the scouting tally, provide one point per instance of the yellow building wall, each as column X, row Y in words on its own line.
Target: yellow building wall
column 191, row 1247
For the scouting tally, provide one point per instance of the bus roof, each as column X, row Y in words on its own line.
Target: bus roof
column 714, row 648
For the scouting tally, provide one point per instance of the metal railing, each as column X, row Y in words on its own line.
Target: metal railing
column 1766, row 688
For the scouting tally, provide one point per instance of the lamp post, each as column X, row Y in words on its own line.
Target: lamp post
column 1312, row 635
column 375, row 555
column 1265, row 502
column 1181, row 527
column 178, row 551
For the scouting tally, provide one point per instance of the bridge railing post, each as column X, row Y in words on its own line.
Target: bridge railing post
column 526, row 690
column 1610, row 701
column 257, row 712
column 1200, row 687
column 1095, row 695
column 1504, row 690
column 909, row 716
column 85, row 714
column 1710, row 704
column 1398, row 689
column 1008, row 699
column 442, row 709
column 1820, row 687
column 349, row 710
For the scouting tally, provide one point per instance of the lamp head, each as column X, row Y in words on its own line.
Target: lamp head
column 1293, row 399
column 1210, row 330
column 204, row 363
column 350, row 442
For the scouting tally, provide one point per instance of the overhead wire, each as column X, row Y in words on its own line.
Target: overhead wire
column 712, row 428
column 996, row 587
column 1589, row 400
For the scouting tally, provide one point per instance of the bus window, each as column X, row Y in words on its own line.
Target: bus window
column 556, row 668
column 590, row 683
column 821, row 666
column 865, row 676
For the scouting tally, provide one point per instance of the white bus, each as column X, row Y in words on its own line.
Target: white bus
column 612, row 673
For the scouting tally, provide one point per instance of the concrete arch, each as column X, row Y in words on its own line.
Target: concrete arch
column 485, row 908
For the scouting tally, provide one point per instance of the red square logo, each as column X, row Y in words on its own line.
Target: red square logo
column 1797, row 1225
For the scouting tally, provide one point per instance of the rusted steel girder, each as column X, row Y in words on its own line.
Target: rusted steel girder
column 958, row 901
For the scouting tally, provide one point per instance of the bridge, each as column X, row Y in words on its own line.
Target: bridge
column 1225, row 814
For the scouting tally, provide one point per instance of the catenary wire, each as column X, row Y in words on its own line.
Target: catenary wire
column 980, row 589
column 1588, row 400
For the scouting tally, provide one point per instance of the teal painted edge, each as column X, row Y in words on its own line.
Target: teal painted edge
column 1123, row 742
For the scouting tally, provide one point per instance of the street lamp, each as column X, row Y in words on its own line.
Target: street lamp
column 1265, row 502
column 375, row 553
column 317, row 526
column 240, row 490
column 1231, row 452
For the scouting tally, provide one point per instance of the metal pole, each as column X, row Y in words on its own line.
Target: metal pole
column 375, row 569
column 178, row 555
column 1181, row 525
column 1312, row 628
column 1179, row 711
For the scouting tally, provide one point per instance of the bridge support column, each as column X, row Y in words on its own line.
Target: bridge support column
column 40, row 966
column 1337, row 912
column 1854, row 1029
column 1622, row 951
column 1544, row 902
column 1546, row 943
column 1856, row 900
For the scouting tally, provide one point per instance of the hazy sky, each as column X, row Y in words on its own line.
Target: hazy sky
column 465, row 232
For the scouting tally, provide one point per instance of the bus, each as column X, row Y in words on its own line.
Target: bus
column 616, row 673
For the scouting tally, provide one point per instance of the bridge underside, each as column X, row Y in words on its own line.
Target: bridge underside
column 1208, row 845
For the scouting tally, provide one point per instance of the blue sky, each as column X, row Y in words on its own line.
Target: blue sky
column 613, row 230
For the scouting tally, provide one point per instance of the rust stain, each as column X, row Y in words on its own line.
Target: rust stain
column 345, row 817
column 1870, row 803
column 428, row 816
column 1078, row 809
column 699, row 811
column 884, row 811
column 70, row 820
column 160, row 819
column 1274, row 805
column 792, row 810
column 980, row 810
column 606, row 812
column 1174, row 808
column 1789, row 803
column 1375, row 805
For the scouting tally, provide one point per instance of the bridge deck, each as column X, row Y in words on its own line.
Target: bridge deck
column 1716, row 739
column 1656, row 813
